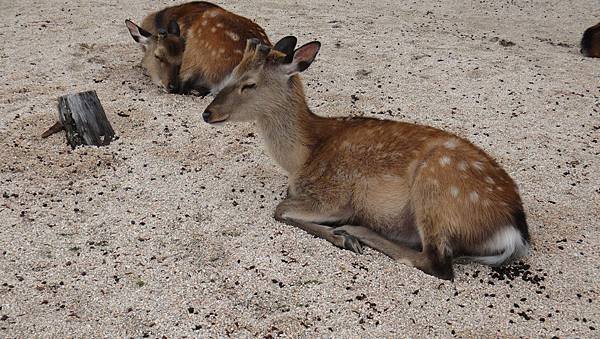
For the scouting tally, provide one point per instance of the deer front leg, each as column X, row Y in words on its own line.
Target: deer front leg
column 428, row 260
column 305, row 215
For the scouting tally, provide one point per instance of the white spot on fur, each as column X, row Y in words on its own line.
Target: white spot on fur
column 213, row 29
column 451, row 144
column 463, row 165
column 221, row 50
column 445, row 160
column 478, row 165
column 220, row 25
column 238, row 51
column 454, row 191
column 474, row 196
column 212, row 14
column 435, row 182
column 499, row 188
column 204, row 22
column 232, row 35
column 489, row 180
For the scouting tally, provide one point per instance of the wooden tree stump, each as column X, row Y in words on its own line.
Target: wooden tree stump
column 84, row 120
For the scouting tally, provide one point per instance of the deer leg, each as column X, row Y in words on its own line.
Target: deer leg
column 430, row 260
column 304, row 215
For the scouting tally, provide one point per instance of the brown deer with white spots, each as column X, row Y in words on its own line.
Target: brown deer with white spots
column 193, row 46
column 590, row 42
column 421, row 195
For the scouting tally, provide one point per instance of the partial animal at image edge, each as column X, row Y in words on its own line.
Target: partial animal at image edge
column 590, row 42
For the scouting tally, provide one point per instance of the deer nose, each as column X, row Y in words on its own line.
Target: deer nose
column 206, row 115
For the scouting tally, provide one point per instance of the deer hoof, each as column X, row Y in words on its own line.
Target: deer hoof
column 350, row 242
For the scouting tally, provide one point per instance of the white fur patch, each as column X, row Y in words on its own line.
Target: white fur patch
column 454, row 191
column 232, row 35
column 507, row 243
column 445, row 160
column 213, row 14
column 463, row 165
column 474, row 196
column 489, row 180
column 478, row 165
column 451, row 144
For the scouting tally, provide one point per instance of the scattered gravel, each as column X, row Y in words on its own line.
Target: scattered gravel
column 169, row 230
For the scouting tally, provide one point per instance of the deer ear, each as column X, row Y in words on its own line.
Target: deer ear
column 173, row 28
column 286, row 46
column 302, row 58
column 137, row 33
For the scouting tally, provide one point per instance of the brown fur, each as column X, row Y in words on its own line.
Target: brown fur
column 212, row 39
column 421, row 195
column 590, row 42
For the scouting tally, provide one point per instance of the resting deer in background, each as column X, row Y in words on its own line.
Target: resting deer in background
column 193, row 46
column 421, row 195
column 590, row 42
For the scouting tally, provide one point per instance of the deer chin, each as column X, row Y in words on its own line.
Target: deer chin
column 218, row 120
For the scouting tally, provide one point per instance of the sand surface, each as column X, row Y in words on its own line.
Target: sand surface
column 169, row 230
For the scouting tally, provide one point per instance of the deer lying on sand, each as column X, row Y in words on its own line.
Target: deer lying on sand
column 418, row 194
column 590, row 42
column 193, row 46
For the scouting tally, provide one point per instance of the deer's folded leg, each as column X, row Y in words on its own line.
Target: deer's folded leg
column 306, row 216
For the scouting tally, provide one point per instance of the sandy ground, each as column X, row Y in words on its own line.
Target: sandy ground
column 169, row 230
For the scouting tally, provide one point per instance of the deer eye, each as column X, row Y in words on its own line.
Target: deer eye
column 248, row 86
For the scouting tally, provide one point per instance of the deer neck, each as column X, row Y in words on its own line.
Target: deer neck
column 287, row 131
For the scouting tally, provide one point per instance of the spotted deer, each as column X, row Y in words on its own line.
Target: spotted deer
column 418, row 194
column 590, row 42
column 193, row 46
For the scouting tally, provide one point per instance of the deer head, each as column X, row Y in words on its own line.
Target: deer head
column 163, row 53
column 263, row 81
